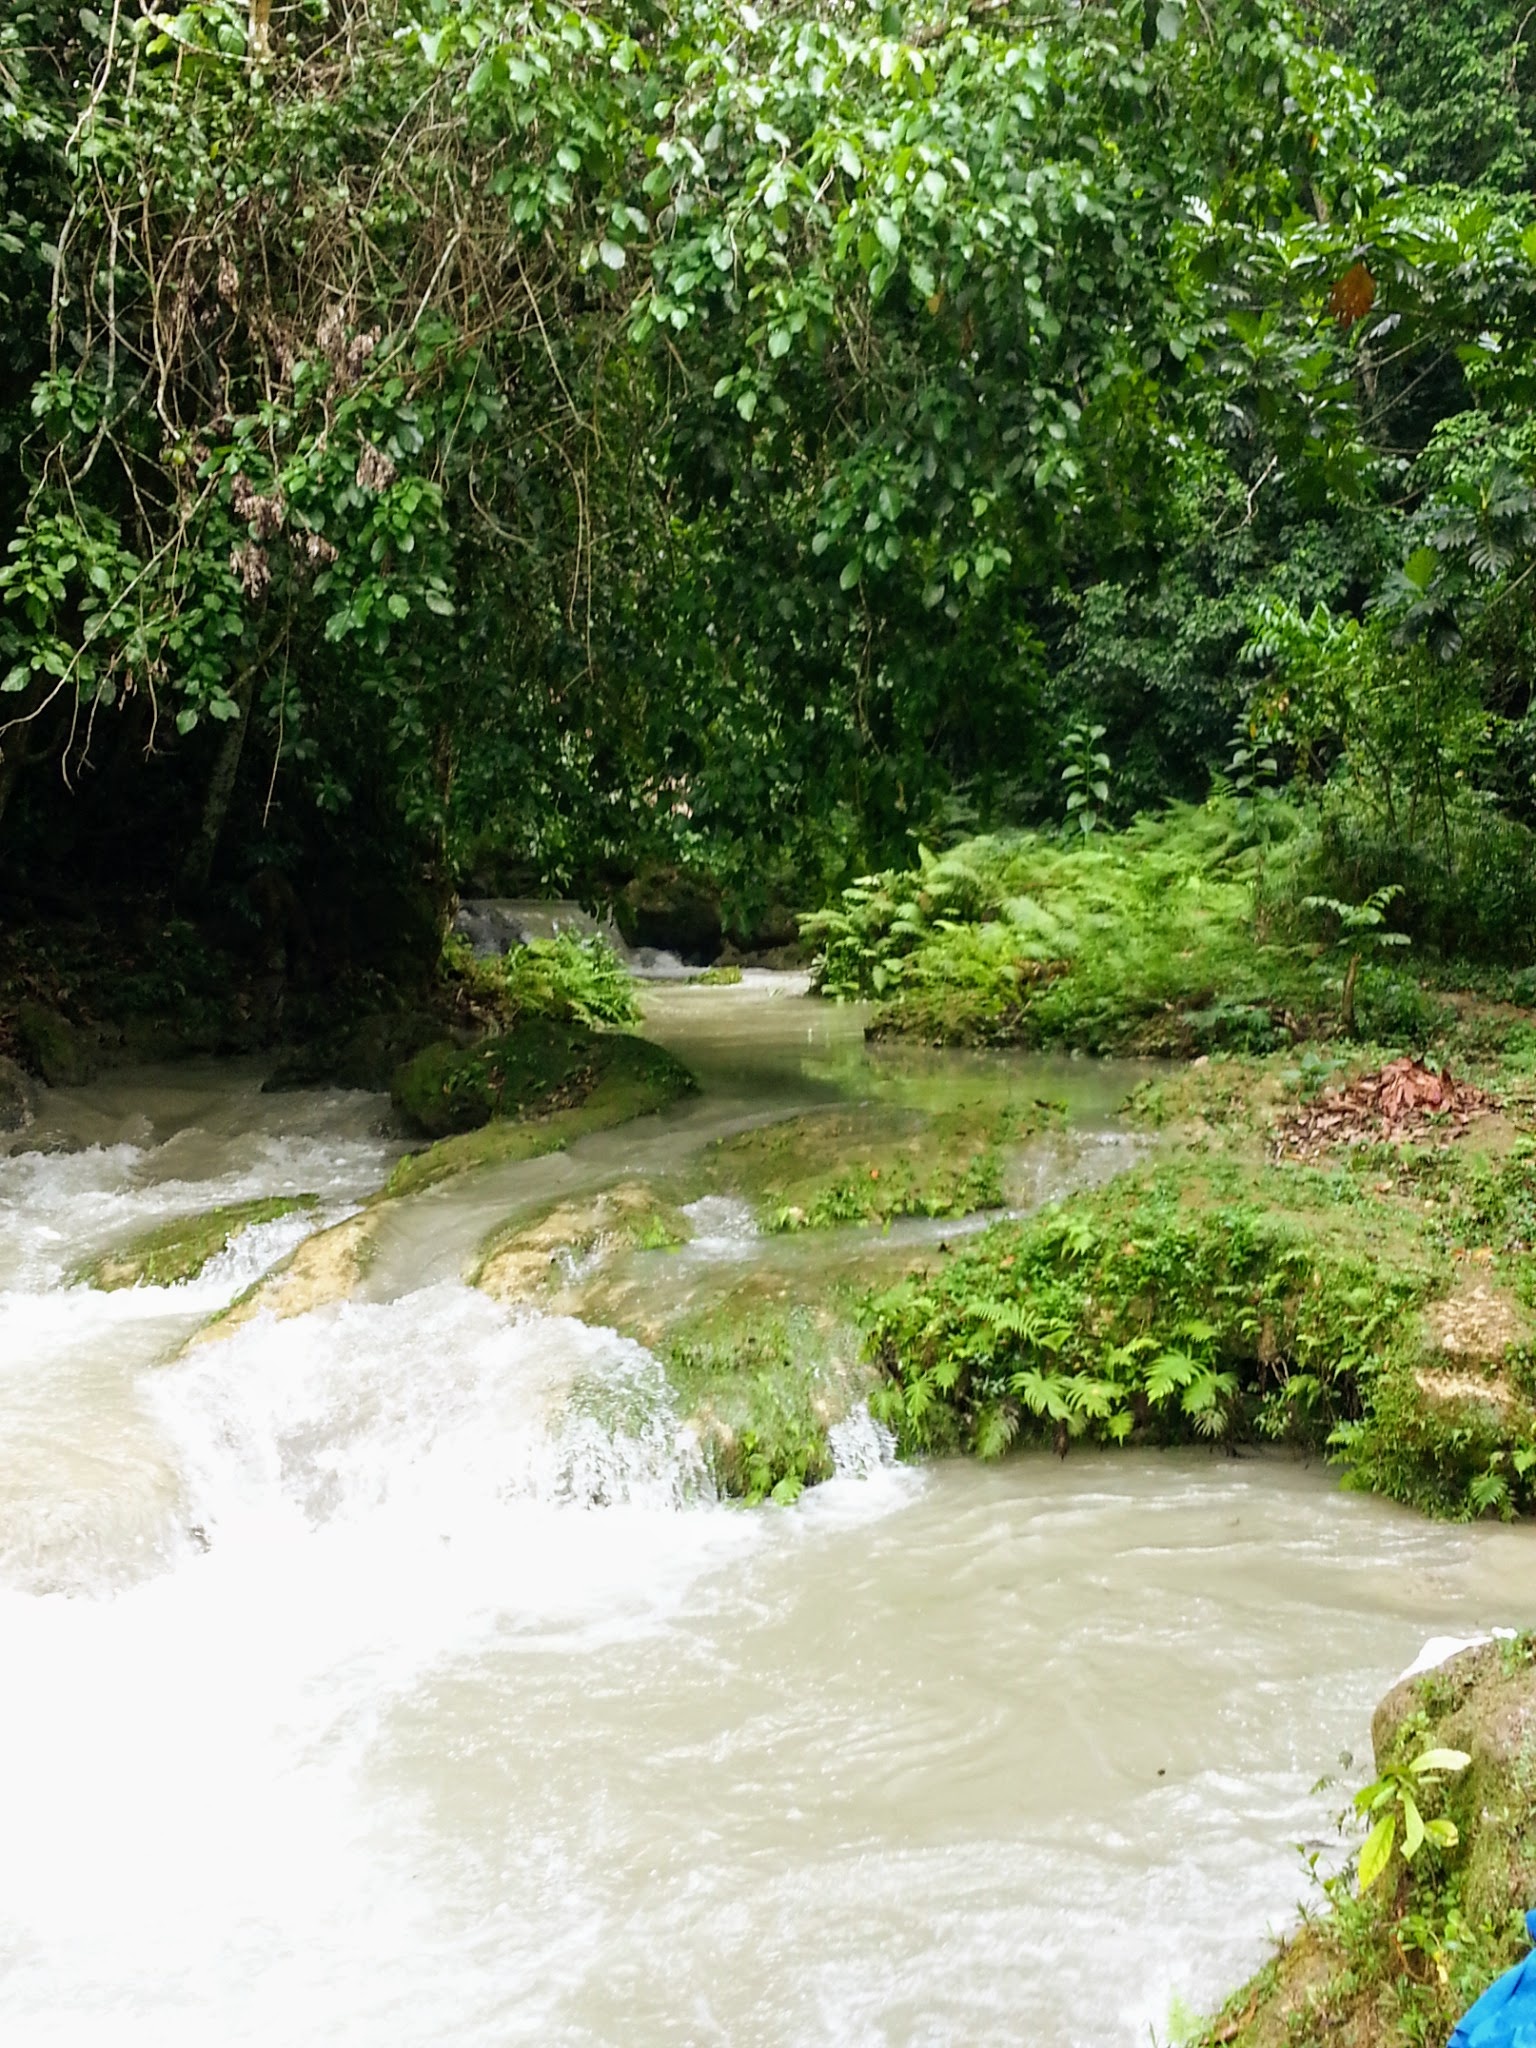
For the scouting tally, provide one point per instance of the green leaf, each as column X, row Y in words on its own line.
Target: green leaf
column 1440, row 1760
column 1170, row 21
column 1413, row 1828
column 887, row 234
column 612, row 254
column 850, row 575
column 1377, row 1853
column 1421, row 566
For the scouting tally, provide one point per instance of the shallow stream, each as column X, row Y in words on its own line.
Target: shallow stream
column 361, row 1688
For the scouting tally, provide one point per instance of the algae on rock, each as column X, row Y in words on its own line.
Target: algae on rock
column 179, row 1250
column 541, row 1065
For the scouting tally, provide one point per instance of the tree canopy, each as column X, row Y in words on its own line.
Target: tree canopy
column 488, row 433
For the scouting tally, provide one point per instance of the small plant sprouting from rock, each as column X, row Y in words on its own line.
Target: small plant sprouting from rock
column 1394, row 1799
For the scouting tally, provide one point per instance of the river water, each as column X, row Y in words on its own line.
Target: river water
column 362, row 1689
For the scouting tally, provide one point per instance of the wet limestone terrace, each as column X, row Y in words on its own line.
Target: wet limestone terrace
column 390, row 1672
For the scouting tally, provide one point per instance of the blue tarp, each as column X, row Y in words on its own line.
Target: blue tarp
column 1505, row 2015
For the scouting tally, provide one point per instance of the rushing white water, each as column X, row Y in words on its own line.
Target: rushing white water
column 390, row 1676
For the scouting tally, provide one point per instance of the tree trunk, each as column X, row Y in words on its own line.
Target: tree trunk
column 197, row 868
column 258, row 40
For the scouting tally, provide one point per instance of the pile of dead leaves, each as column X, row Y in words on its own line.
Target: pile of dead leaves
column 1398, row 1101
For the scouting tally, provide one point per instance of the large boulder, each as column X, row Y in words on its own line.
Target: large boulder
column 61, row 1052
column 537, row 1067
column 674, row 912
column 364, row 1054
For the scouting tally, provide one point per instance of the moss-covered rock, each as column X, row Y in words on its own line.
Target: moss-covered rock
column 528, row 1260
column 179, row 1251
column 65, row 1055
column 576, row 1082
column 538, row 1067
column 669, row 908
column 1397, row 1967
column 873, row 1164
column 323, row 1270
column 18, row 1098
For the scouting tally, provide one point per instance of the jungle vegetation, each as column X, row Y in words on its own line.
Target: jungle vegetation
column 454, row 443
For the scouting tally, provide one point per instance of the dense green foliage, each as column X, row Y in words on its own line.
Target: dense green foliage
column 472, row 436
column 1221, row 1297
column 1189, row 931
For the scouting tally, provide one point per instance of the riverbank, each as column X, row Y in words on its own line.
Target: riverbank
column 1400, row 1963
column 1293, row 1264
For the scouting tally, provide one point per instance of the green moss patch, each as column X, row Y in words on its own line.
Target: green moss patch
column 564, row 1084
column 1397, row 1967
column 763, row 1399
column 179, row 1251
column 874, row 1164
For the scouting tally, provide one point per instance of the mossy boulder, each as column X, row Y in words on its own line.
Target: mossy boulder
column 669, row 908
column 65, row 1055
column 179, row 1251
column 1482, row 1702
column 538, row 1067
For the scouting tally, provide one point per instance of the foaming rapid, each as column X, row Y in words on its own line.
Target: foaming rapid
column 391, row 1675
column 436, row 1410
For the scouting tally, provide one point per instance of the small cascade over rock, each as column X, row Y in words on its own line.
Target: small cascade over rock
column 436, row 1409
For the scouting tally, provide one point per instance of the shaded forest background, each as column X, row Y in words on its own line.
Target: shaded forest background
column 703, row 451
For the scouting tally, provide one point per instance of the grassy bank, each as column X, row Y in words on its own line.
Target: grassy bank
column 1268, row 1277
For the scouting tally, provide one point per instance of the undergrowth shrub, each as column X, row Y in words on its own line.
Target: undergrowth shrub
column 1144, row 939
column 1465, row 876
column 565, row 979
column 1137, row 1312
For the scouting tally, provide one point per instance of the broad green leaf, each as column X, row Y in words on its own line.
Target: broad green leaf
column 1377, row 1853
column 1413, row 1828
column 1440, row 1760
